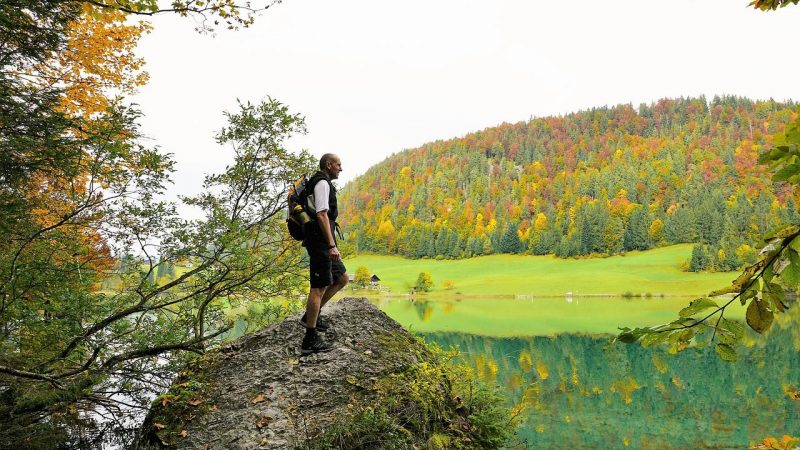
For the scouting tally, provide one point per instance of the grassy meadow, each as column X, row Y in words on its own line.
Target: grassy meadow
column 655, row 272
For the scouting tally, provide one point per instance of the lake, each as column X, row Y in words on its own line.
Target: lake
column 553, row 355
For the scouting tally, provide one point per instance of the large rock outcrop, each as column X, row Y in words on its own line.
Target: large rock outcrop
column 259, row 393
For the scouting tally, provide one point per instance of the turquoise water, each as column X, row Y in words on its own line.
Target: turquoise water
column 580, row 391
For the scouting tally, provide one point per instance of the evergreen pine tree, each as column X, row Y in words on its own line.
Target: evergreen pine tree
column 440, row 245
column 614, row 236
column 456, row 245
column 700, row 260
column 680, row 226
column 792, row 215
column 636, row 234
column 426, row 247
column 510, row 243
column 709, row 220
column 477, row 246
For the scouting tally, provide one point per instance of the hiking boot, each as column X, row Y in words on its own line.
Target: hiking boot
column 322, row 324
column 313, row 343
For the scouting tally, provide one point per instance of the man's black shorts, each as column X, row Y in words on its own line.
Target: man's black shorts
column 322, row 270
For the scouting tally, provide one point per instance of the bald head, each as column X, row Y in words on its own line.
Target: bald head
column 331, row 165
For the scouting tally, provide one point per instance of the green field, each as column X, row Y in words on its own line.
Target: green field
column 654, row 272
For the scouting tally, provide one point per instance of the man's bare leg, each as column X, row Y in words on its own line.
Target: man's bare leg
column 331, row 290
column 313, row 305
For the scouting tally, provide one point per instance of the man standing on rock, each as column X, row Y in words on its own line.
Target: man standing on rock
column 327, row 272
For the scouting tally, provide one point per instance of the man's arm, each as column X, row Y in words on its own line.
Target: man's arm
column 325, row 226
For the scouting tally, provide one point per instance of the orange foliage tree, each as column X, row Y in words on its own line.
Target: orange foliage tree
column 82, row 233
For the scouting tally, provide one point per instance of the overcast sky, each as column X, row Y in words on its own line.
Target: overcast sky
column 375, row 77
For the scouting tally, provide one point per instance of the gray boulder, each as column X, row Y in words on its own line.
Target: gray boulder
column 259, row 393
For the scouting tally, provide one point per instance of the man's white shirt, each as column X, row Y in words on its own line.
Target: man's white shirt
column 322, row 190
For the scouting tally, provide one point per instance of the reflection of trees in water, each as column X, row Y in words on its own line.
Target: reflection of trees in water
column 448, row 307
column 424, row 308
column 582, row 392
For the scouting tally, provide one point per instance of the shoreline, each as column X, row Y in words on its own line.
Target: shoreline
column 440, row 295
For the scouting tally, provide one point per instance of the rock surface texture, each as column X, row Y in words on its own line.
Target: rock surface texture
column 259, row 393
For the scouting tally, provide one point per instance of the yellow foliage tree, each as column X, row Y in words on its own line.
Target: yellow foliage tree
column 99, row 61
column 656, row 231
column 424, row 282
column 386, row 232
column 362, row 276
column 541, row 222
column 480, row 229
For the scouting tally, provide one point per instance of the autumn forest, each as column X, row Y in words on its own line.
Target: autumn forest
column 597, row 182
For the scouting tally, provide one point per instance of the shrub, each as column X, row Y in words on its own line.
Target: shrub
column 434, row 404
column 424, row 282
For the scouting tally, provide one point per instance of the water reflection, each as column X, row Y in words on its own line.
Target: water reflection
column 581, row 392
column 424, row 310
column 532, row 316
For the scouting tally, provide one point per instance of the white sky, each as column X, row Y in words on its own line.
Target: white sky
column 375, row 77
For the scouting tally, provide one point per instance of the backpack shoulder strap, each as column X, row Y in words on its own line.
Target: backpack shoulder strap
column 312, row 183
column 316, row 178
column 309, row 190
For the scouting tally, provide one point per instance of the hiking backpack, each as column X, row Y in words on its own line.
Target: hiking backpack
column 301, row 212
column 297, row 215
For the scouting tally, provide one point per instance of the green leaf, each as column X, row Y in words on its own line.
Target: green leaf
column 655, row 338
column 748, row 294
column 733, row 327
column 776, row 153
column 776, row 300
column 726, row 352
column 790, row 276
column 686, row 335
column 726, row 290
column 787, row 172
column 727, row 338
column 680, row 339
column 745, row 277
column 775, row 289
column 758, row 316
column 767, row 275
column 629, row 336
column 703, row 337
column 696, row 306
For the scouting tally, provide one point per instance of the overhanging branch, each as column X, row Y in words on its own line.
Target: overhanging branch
column 154, row 351
column 30, row 376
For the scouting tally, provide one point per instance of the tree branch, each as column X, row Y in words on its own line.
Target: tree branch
column 786, row 242
column 185, row 10
column 153, row 351
column 30, row 375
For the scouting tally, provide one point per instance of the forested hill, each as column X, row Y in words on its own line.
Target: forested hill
column 602, row 181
